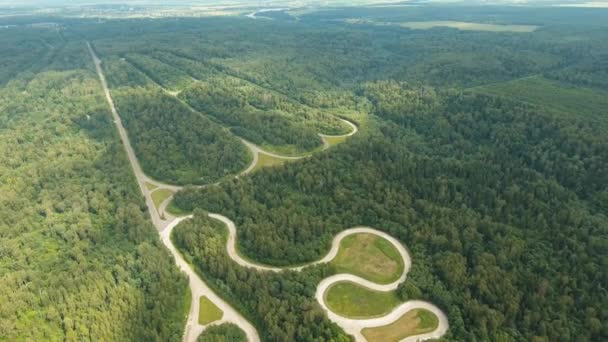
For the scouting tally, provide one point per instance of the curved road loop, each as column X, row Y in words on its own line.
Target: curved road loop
column 165, row 223
column 353, row 131
column 351, row 326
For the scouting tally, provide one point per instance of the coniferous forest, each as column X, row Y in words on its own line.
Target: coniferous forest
column 482, row 148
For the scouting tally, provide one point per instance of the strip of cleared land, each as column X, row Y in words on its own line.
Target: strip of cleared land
column 464, row 26
column 459, row 25
column 554, row 95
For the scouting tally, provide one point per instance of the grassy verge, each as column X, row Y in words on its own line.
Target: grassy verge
column 332, row 141
column 369, row 256
column 151, row 186
column 186, row 304
column 158, row 196
column 208, row 312
column 414, row 322
column 354, row 301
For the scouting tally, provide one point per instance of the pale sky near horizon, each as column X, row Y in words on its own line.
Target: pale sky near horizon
column 59, row 3
column 77, row 2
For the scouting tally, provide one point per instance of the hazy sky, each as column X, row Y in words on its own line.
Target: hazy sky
column 89, row 2
column 41, row 3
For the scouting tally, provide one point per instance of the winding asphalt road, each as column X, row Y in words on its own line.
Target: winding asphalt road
column 199, row 288
column 165, row 223
column 351, row 326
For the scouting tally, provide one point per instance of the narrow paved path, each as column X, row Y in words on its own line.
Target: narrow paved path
column 165, row 226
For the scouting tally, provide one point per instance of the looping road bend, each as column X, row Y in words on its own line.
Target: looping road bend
column 164, row 223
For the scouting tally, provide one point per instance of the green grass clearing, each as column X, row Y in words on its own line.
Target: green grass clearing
column 335, row 140
column 369, row 256
column 414, row 322
column 354, row 301
column 150, row 186
column 553, row 95
column 158, row 196
column 208, row 312
column 266, row 160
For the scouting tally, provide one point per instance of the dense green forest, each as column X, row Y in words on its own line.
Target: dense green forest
column 226, row 332
column 316, row 61
column 485, row 153
column 79, row 258
column 25, row 49
column 259, row 114
column 120, row 73
column 174, row 143
column 502, row 205
column 252, row 111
